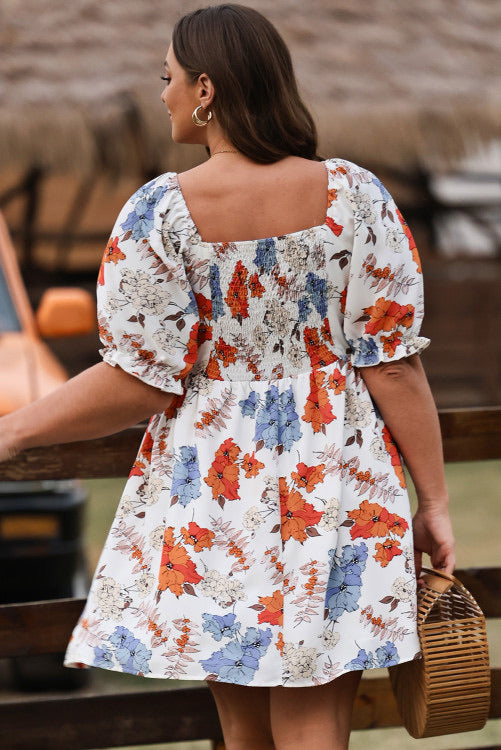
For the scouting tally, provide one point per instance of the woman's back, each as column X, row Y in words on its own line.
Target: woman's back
column 231, row 200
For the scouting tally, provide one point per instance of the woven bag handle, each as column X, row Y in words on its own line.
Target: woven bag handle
column 438, row 581
column 435, row 584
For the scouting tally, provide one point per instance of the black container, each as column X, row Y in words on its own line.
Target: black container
column 41, row 557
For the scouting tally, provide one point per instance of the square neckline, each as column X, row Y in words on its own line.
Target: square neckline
column 205, row 243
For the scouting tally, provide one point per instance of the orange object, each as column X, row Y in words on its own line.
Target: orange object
column 28, row 369
column 65, row 311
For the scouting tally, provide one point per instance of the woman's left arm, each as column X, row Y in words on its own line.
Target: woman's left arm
column 99, row 401
column 402, row 394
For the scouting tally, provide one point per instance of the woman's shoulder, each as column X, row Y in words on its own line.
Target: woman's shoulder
column 152, row 192
column 157, row 202
column 356, row 179
column 348, row 171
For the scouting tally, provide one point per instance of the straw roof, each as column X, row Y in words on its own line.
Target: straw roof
column 398, row 83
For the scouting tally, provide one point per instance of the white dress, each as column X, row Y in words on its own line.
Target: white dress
column 264, row 534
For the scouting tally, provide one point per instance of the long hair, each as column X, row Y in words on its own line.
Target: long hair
column 257, row 102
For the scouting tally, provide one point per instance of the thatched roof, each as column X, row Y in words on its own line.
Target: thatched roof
column 398, row 83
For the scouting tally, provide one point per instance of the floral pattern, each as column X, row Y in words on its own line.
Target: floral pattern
column 264, row 534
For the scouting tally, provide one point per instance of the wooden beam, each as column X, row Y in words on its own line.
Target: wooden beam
column 471, row 434
column 82, row 721
column 110, row 456
column 103, row 720
column 468, row 435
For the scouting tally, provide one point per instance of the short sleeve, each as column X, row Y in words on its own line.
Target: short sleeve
column 384, row 294
column 147, row 313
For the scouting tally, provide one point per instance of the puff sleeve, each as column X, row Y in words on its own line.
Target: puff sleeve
column 147, row 313
column 384, row 292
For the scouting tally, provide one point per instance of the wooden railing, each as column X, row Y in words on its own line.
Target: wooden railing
column 88, row 719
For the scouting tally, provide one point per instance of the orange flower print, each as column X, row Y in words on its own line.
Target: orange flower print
column 336, row 228
column 406, row 316
column 225, row 352
column 198, row 537
column 342, row 300
column 204, row 306
column 228, row 451
column 176, row 567
column 319, row 353
column 213, row 371
column 386, row 314
column 387, row 551
column 192, row 352
column 325, row 330
column 255, row 286
column 307, row 477
column 392, row 449
column 398, row 525
column 280, row 643
column 337, row 381
column 146, row 447
column 112, row 254
column 223, row 473
column 318, row 410
column 371, row 519
column 412, row 244
column 391, row 342
column 296, row 514
column 236, row 298
column 251, row 465
column 273, row 611
column 331, row 196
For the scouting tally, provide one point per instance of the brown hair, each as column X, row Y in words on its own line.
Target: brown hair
column 257, row 102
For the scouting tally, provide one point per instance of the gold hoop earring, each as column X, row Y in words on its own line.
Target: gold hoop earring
column 196, row 119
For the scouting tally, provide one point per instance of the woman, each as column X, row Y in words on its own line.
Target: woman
column 263, row 541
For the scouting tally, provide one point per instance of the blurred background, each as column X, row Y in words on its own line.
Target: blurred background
column 411, row 91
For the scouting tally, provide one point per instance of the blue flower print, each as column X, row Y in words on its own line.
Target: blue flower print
column 249, row 405
column 119, row 636
column 387, row 655
column 267, row 419
column 289, row 430
column 363, row 660
column 220, row 626
column 186, row 476
column 317, row 290
column 343, row 592
column 216, row 294
column 386, row 196
column 353, row 558
column 266, row 256
column 232, row 663
column 367, row 352
column 256, row 642
column 103, row 657
column 149, row 193
column 139, row 658
column 192, row 307
column 304, row 309
column 140, row 221
column 131, row 654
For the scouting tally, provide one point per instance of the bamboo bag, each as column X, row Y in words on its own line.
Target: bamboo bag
column 448, row 690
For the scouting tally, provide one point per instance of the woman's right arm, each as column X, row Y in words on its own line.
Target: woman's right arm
column 99, row 401
column 402, row 394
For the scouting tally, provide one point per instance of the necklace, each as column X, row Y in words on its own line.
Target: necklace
column 224, row 151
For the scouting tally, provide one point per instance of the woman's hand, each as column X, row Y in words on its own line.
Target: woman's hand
column 432, row 531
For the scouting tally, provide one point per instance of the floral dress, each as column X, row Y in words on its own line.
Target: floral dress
column 264, row 534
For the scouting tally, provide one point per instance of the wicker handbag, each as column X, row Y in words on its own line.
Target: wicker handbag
column 448, row 690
